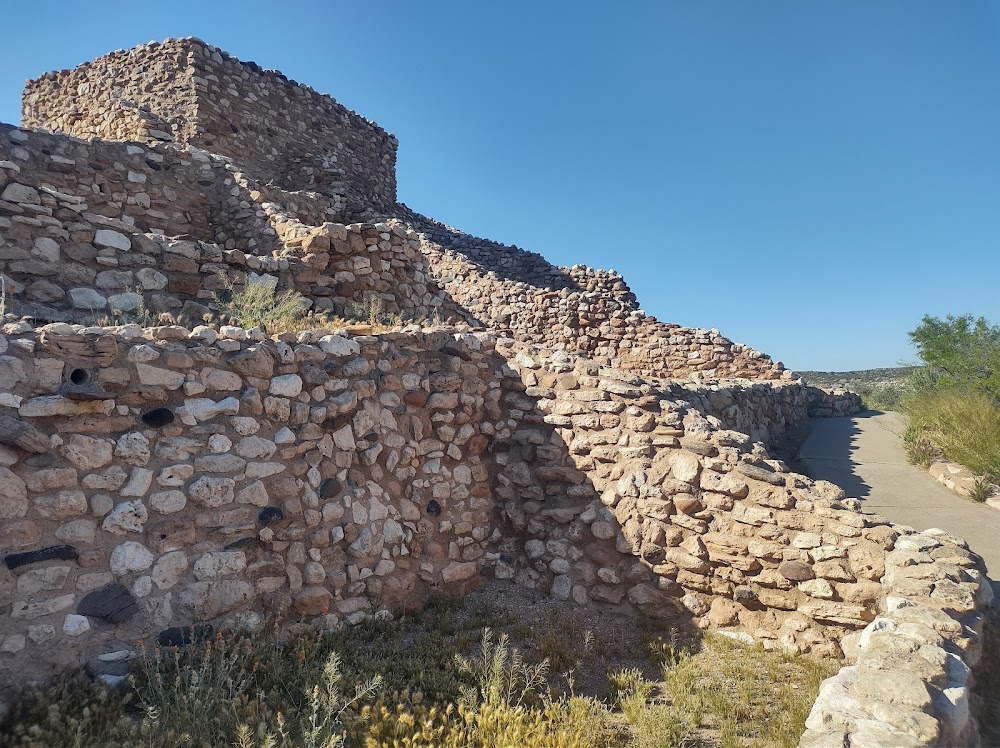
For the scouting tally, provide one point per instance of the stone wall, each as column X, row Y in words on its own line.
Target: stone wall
column 159, row 478
column 580, row 309
column 914, row 665
column 143, row 94
column 621, row 489
column 196, row 94
column 88, row 229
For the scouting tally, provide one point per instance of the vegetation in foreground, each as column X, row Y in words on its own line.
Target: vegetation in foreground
column 442, row 679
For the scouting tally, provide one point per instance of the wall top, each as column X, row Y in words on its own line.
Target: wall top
column 203, row 49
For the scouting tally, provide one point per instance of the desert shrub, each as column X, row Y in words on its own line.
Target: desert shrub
column 259, row 305
column 962, row 352
column 880, row 396
column 418, row 682
column 963, row 425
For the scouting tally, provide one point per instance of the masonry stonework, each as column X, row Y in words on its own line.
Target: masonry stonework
column 526, row 422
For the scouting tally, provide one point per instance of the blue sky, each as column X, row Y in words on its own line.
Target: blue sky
column 808, row 177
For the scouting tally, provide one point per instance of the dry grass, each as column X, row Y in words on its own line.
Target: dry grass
column 442, row 679
column 963, row 426
column 259, row 305
column 751, row 697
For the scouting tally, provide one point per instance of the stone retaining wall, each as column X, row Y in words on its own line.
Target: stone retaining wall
column 87, row 229
column 625, row 490
column 910, row 684
column 586, row 311
column 196, row 94
column 159, row 478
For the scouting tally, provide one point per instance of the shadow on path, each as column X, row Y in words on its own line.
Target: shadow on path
column 864, row 455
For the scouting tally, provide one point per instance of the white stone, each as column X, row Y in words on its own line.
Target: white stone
column 75, row 625
column 141, row 354
column 129, row 516
column 284, row 436
column 142, row 586
column 255, row 448
column 175, row 475
column 286, row 385
column 203, row 332
column 212, row 492
column 113, row 239
column 13, row 643
column 87, row 298
column 153, row 376
column 130, row 557
column 138, row 483
column 205, row 409
column 168, row 502
column 133, row 448
column 231, row 332
column 169, row 569
column 338, row 345
column 219, row 443
column 21, row 193
column 13, row 495
column 46, row 249
column 153, row 280
column 219, row 379
column 219, row 563
column 126, row 302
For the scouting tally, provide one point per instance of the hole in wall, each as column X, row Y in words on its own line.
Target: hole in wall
column 158, row 417
column 79, row 376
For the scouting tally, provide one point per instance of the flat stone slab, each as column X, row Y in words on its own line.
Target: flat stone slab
column 113, row 603
column 60, row 552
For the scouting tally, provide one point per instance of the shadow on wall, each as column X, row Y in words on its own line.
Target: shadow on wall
column 828, row 455
column 506, row 262
column 558, row 536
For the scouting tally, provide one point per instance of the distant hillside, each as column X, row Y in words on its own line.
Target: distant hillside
column 866, row 378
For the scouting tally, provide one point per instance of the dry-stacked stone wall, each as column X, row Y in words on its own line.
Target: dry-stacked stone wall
column 159, row 478
column 911, row 680
column 624, row 490
column 143, row 94
column 615, row 491
column 94, row 229
column 580, row 309
column 196, row 94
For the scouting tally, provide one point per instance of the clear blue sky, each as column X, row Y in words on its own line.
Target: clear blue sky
column 808, row 177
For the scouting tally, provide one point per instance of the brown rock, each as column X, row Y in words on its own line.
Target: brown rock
column 795, row 571
column 312, row 601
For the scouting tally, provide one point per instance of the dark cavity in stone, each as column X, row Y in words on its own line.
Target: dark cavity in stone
column 433, row 508
column 269, row 515
column 113, row 602
column 79, row 376
column 179, row 636
column 329, row 488
column 61, row 552
column 158, row 417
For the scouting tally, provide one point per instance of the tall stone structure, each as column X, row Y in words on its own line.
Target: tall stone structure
column 187, row 92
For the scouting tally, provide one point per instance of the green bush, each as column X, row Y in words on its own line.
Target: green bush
column 258, row 305
column 963, row 425
column 961, row 352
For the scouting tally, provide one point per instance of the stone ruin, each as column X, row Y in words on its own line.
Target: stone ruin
column 528, row 422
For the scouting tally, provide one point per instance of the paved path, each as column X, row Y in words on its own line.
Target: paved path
column 864, row 455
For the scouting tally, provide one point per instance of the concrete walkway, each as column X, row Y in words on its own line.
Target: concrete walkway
column 864, row 455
